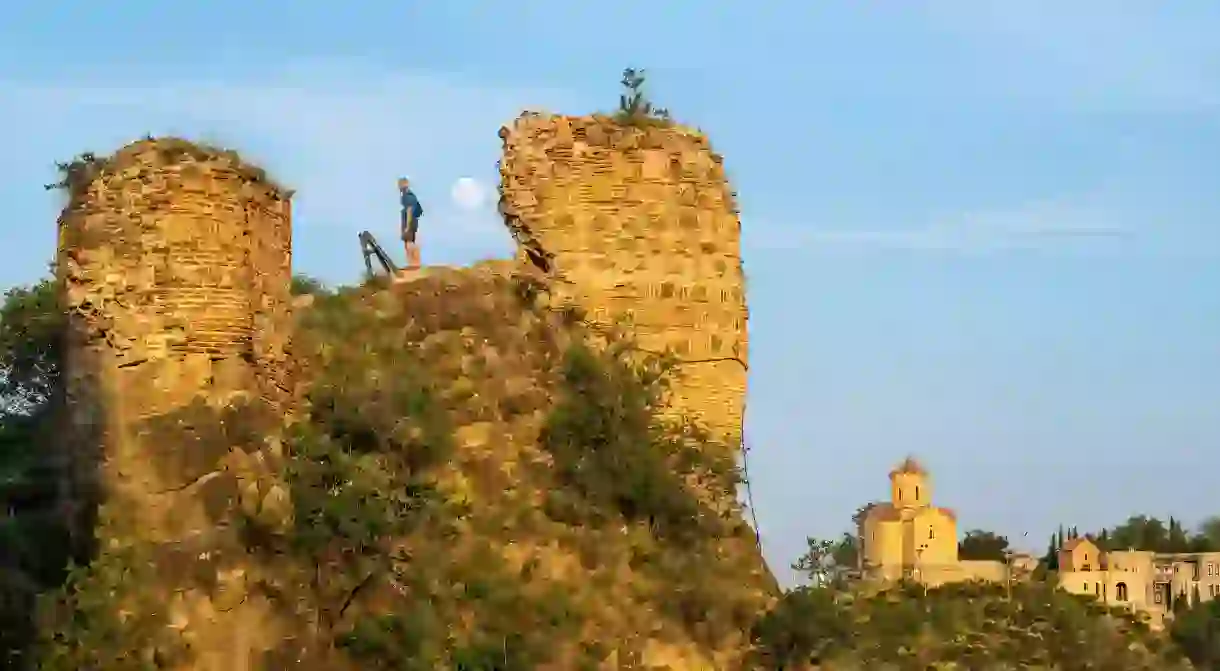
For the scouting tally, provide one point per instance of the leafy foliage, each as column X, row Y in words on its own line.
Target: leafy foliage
column 1197, row 631
column 77, row 172
column 977, row 544
column 609, row 447
column 35, row 541
column 825, row 562
column 31, row 346
column 304, row 284
column 402, row 570
column 803, row 627
column 969, row 625
column 103, row 620
column 634, row 107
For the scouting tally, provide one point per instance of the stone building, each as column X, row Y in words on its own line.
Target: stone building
column 1146, row 582
column 638, row 226
column 174, row 261
column 909, row 538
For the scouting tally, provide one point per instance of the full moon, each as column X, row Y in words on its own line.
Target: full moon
column 467, row 193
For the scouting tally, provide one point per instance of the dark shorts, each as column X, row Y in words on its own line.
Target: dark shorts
column 410, row 226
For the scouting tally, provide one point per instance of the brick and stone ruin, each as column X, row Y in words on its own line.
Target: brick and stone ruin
column 638, row 226
column 176, row 263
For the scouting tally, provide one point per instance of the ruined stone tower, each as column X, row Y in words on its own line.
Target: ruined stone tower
column 641, row 226
column 175, row 261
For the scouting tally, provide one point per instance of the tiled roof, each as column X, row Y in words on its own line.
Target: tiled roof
column 1075, row 543
column 888, row 512
column 909, row 465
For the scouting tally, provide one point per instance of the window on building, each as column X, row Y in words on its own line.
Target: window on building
column 1097, row 588
column 916, row 492
column 1120, row 591
column 931, row 533
column 1156, row 596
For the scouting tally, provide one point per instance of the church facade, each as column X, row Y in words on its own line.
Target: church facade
column 910, row 538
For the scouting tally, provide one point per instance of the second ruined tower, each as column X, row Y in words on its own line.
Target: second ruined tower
column 640, row 224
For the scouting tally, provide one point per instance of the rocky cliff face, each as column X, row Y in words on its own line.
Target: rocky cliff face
column 570, row 524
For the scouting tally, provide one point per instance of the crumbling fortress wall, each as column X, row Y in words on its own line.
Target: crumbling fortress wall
column 639, row 225
column 175, row 261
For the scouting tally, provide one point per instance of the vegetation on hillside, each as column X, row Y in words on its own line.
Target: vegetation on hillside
column 410, row 399
column 430, row 530
column 1196, row 630
column 961, row 626
column 398, row 555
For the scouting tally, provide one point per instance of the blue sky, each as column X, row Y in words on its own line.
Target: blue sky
column 982, row 232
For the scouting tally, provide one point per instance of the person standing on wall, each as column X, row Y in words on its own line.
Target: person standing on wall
column 411, row 212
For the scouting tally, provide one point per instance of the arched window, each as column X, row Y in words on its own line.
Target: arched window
column 916, row 492
column 1121, row 591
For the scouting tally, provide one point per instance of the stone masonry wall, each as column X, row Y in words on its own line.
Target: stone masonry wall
column 640, row 225
column 176, row 262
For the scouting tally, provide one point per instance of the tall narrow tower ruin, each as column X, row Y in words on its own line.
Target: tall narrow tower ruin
column 175, row 263
column 640, row 224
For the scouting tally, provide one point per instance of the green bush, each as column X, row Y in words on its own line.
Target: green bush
column 103, row 619
column 616, row 458
column 973, row 625
column 1197, row 631
column 634, row 107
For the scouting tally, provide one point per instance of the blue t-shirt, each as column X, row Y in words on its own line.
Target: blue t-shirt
column 410, row 204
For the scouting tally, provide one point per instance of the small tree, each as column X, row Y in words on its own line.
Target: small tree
column 634, row 107
column 817, row 564
column 845, row 554
column 31, row 328
column 1180, row 604
column 1197, row 633
column 982, row 545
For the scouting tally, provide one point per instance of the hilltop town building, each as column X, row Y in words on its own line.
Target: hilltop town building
column 911, row 538
column 1145, row 582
